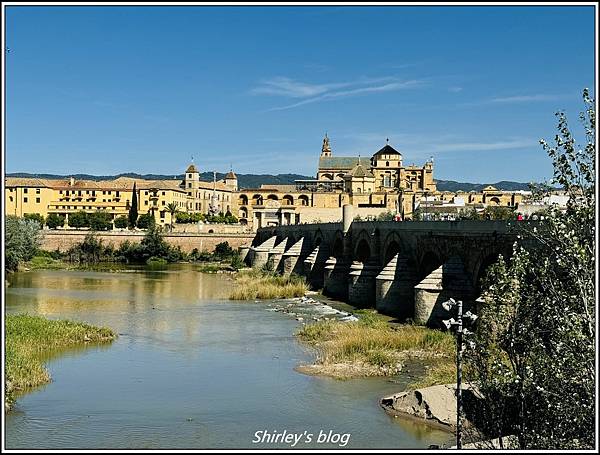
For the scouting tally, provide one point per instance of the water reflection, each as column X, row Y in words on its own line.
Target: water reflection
column 189, row 370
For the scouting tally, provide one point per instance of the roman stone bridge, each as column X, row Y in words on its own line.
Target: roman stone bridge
column 405, row 269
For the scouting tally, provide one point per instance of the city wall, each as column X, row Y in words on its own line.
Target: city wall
column 62, row 240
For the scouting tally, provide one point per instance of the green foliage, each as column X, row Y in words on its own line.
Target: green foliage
column 498, row 213
column 146, row 221
column 153, row 243
column 90, row 251
column 223, row 251
column 55, row 220
column 133, row 210
column 30, row 338
column 534, row 353
column 417, row 215
column 470, row 214
column 22, row 239
column 78, row 219
column 100, row 221
column 156, row 262
column 121, row 222
column 385, row 216
column 35, row 217
column 204, row 256
column 236, row 262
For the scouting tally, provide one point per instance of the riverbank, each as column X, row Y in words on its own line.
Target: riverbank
column 30, row 338
column 373, row 347
column 258, row 284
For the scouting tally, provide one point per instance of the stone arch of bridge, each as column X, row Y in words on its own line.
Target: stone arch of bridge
column 392, row 245
column 362, row 246
column 337, row 248
column 317, row 238
column 430, row 260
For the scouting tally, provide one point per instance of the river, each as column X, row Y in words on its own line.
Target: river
column 189, row 370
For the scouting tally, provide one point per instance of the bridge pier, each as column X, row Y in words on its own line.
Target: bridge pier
column 260, row 254
column 276, row 255
column 394, row 288
column 291, row 259
column 243, row 253
column 361, row 284
column 448, row 280
column 314, row 266
column 335, row 278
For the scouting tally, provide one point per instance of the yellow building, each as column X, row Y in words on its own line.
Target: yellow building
column 381, row 183
column 66, row 196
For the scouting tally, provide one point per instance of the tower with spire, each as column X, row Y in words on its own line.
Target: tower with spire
column 231, row 179
column 326, row 148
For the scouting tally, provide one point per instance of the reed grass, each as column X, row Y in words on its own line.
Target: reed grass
column 30, row 338
column 257, row 284
column 443, row 371
column 371, row 341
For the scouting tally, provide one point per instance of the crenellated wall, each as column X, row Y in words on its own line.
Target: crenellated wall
column 405, row 269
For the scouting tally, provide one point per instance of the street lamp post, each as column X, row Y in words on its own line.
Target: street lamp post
column 457, row 326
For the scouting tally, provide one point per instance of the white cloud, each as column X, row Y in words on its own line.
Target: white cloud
column 516, row 99
column 311, row 93
column 523, row 98
column 423, row 146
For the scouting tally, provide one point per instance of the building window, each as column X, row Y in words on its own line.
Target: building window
column 145, row 202
column 163, row 193
column 163, row 202
column 37, row 191
column 189, row 176
column 25, row 190
column 37, row 200
column 189, row 185
column 25, row 199
column 10, row 198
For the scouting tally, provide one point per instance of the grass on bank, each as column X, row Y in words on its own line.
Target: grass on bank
column 371, row 347
column 259, row 284
column 30, row 338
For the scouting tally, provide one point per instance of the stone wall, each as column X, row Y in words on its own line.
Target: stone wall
column 63, row 239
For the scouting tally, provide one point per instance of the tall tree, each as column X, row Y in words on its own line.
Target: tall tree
column 533, row 359
column 133, row 210
column 172, row 209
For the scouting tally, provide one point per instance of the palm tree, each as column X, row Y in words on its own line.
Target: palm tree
column 172, row 209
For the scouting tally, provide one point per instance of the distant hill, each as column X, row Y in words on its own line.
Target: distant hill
column 255, row 180
column 244, row 180
column 450, row 185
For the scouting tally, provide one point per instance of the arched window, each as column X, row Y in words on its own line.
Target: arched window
column 303, row 200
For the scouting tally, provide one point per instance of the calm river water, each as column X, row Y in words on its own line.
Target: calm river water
column 189, row 370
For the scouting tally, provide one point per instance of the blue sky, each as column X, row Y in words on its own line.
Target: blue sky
column 104, row 90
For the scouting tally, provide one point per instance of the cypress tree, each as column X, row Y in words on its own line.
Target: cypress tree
column 133, row 210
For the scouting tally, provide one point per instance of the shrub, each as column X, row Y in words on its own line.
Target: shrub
column 223, row 250
column 22, row 239
column 78, row 220
column 145, row 221
column 121, row 222
column 35, row 217
column 100, row 221
column 55, row 220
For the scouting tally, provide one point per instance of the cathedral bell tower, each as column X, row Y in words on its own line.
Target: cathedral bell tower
column 326, row 148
